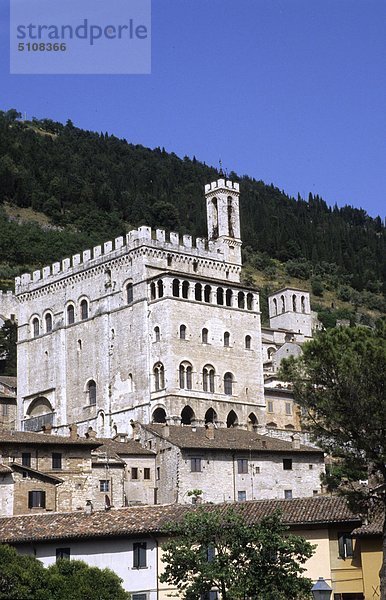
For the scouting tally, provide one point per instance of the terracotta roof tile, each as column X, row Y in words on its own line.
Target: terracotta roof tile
column 375, row 527
column 224, row 439
column 27, row 437
column 136, row 520
column 129, row 448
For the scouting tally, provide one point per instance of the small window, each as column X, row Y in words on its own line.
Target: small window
column 249, row 301
column 63, row 554
column 182, row 332
column 204, row 336
column 345, row 545
column 226, row 339
column 247, row 342
column 56, row 460
column 146, row 473
column 208, row 379
column 48, row 320
column 139, row 555
column 158, row 473
column 288, row 494
column 288, row 408
column 36, row 499
column 84, row 310
column 157, row 334
column 176, row 288
column 152, row 291
column 159, row 382
column 160, row 287
column 310, row 467
column 241, row 496
column 5, row 409
column 129, row 293
column 91, row 392
column 287, row 464
column 185, row 289
column 241, row 300
column 104, row 485
column 134, row 472
column 198, row 292
column 242, row 465
column 36, row 327
column 270, row 406
column 70, row 314
column 207, row 292
column 26, row 459
column 220, row 296
column 139, row 597
column 195, row 465
column 228, row 297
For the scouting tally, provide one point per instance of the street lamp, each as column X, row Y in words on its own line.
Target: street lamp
column 321, row 590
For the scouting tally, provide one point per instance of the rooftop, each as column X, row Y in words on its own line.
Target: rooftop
column 224, row 439
column 27, row 437
column 132, row 521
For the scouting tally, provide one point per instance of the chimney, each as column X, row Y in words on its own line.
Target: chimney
column 295, row 442
column 73, row 431
column 91, row 434
column 89, row 507
column 166, row 430
column 210, row 431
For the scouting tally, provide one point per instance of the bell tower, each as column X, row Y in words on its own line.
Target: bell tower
column 222, row 210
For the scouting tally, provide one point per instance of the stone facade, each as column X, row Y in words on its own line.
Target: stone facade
column 229, row 465
column 7, row 402
column 8, row 307
column 143, row 329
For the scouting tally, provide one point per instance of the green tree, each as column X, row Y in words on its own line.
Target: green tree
column 8, row 339
column 216, row 548
column 25, row 578
column 341, row 380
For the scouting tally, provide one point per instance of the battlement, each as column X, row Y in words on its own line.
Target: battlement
column 6, row 295
column 222, row 184
column 110, row 250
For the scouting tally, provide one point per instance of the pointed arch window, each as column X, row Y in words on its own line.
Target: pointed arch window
column 275, row 306
column 228, row 384
column 185, row 373
column 48, row 322
column 303, row 304
column 84, row 310
column 208, row 374
column 294, row 302
column 36, row 327
column 159, row 377
column 70, row 314
column 282, row 304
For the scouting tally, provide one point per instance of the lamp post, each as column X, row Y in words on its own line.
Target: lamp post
column 321, row 590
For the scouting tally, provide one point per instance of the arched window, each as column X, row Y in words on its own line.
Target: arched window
column 159, row 377
column 271, row 353
column 220, row 296
column 70, row 314
column 303, row 303
column 207, row 290
column 152, row 291
column 84, row 310
column 228, row 297
column 198, row 292
column 156, row 334
column 185, row 289
column 210, row 416
column 129, row 293
column 232, row 419
column 91, row 392
column 249, row 301
column 48, row 322
column 182, row 332
column 248, row 342
column 228, row 384
column 226, row 339
column 275, row 306
column 204, row 336
column 294, row 302
column 230, row 214
column 36, row 327
column 185, row 372
column 187, row 415
column 241, row 300
column 215, row 218
column 282, row 304
column 208, row 378
column 159, row 415
column 160, row 287
column 176, row 288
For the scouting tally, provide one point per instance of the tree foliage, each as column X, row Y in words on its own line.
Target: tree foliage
column 25, row 578
column 340, row 381
column 217, row 548
column 8, row 339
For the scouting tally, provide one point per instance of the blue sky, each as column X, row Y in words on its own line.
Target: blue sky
column 292, row 92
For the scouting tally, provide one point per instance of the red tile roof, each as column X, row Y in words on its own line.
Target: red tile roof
column 305, row 512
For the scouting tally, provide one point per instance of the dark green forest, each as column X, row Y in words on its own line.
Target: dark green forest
column 94, row 186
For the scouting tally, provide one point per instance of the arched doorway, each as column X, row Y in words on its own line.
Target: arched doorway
column 187, row 416
column 159, row 415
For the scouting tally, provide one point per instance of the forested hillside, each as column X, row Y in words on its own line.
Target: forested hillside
column 94, row 186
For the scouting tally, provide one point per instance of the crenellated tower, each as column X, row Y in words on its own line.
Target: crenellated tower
column 222, row 209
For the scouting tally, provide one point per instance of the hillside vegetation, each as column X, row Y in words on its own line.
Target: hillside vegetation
column 64, row 189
